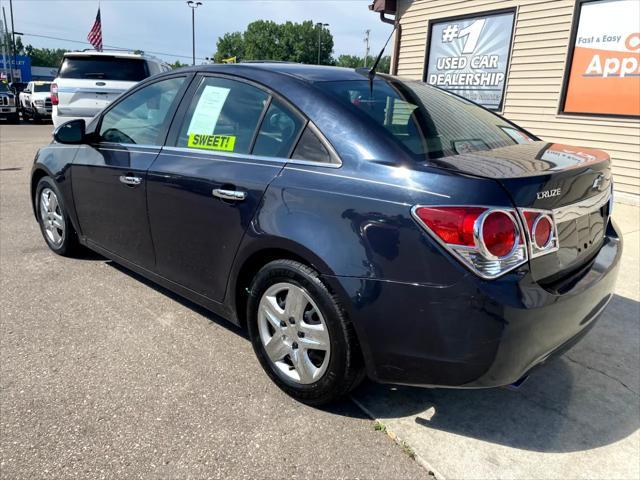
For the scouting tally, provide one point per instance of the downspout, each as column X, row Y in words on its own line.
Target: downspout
column 396, row 43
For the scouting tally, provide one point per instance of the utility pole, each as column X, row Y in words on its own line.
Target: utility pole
column 5, row 40
column 367, row 48
column 320, row 26
column 13, row 40
column 4, row 32
column 193, row 5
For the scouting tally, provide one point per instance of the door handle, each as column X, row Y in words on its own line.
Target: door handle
column 130, row 180
column 234, row 195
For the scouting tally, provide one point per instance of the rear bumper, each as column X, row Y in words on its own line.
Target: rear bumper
column 476, row 333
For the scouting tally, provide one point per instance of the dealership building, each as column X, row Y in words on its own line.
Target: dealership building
column 566, row 70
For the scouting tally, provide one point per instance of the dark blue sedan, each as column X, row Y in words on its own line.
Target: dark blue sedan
column 383, row 228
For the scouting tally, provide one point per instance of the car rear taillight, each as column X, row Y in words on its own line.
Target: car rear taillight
column 541, row 231
column 54, row 94
column 499, row 233
column 489, row 241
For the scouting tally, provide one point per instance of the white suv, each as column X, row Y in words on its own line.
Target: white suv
column 88, row 81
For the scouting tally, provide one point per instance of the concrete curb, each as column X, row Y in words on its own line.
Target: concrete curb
column 399, row 441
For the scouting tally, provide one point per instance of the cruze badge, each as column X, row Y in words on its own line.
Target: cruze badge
column 549, row 193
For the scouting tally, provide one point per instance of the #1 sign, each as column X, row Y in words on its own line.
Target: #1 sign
column 470, row 57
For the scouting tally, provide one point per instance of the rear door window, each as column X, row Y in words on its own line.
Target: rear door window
column 223, row 116
column 104, row 67
column 279, row 131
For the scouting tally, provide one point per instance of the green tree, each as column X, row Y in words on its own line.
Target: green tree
column 178, row 64
column 350, row 61
column 229, row 45
column 45, row 57
column 263, row 41
column 7, row 43
column 267, row 40
column 300, row 43
column 354, row 61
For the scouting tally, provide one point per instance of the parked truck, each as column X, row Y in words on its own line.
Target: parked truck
column 35, row 101
column 8, row 107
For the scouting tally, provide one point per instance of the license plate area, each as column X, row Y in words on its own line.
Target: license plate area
column 579, row 237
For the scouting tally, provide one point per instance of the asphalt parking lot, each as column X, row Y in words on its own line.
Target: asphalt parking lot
column 104, row 375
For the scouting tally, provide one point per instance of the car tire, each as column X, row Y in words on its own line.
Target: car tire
column 56, row 228
column 316, row 358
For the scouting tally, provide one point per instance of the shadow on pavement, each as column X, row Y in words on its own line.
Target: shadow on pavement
column 209, row 315
column 343, row 407
column 583, row 400
column 576, row 402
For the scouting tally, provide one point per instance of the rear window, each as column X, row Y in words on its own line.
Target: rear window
column 41, row 87
column 428, row 122
column 104, row 68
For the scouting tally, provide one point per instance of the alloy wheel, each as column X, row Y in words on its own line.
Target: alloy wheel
column 294, row 333
column 51, row 215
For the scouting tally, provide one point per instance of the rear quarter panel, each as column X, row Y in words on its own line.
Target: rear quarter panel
column 357, row 222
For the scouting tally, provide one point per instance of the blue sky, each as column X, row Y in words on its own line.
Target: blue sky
column 165, row 25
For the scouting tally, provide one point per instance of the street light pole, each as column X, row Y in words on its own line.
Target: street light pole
column 320, row 26
column 193, row 5
column 13, row 42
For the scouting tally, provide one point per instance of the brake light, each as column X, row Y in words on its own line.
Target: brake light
column 541, row 231
column 454, row 225
column 54, row 94
column 499, row 233
column 489, row 241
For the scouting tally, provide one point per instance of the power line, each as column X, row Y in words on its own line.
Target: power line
column 108, row 46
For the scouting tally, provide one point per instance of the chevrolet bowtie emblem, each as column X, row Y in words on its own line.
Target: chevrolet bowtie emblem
column 598, row 182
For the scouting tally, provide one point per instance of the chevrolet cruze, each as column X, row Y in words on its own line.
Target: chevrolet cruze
column 355, row 226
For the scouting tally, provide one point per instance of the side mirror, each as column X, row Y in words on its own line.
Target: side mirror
column 72, row 132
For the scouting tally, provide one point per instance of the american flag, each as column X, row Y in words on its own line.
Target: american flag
column 95, row 35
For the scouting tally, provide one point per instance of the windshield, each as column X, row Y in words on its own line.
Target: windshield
column 4, row 87
column 42, row 87
column 104, row 68
column 428, row 122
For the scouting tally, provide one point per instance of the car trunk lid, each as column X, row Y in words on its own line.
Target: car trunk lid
column 572, row 182
column 85, row 99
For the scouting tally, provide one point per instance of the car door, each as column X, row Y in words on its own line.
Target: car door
column 203, row 190
column 109, row 175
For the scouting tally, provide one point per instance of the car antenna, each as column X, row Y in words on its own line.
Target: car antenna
column 372, row 72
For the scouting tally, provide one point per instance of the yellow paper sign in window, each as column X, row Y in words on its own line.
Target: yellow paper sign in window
column 224, row 143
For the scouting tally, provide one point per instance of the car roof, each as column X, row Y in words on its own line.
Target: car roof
column 112, row 53
column 310, row 73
